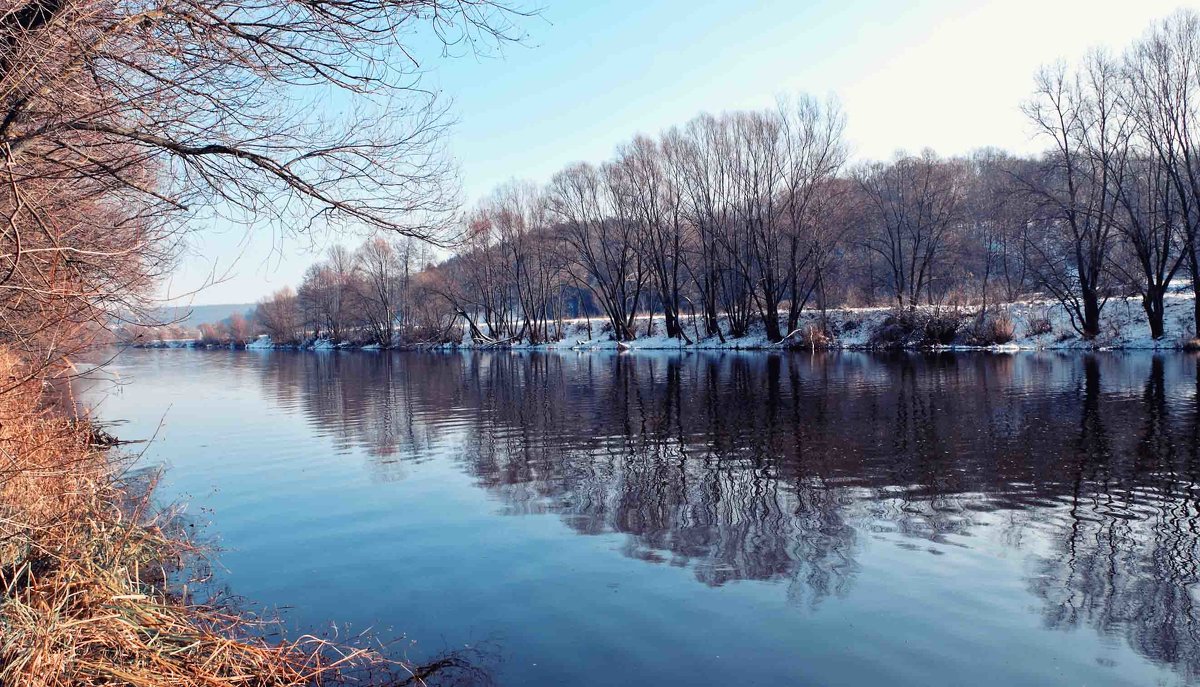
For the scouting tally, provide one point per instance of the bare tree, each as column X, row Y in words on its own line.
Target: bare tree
column 910, row 207
column 657, row 208
column 381, row 278
column 479, row 286
column 122, row 121
column 814, row 153
column 1162, row 73
column 413, row 255
column 1077, row 184
column 433, row 317
column 999, row 216
column 331, row 295
column 831, row 210
column 532, row 253
column 281, row 318
column 600, row 226
column 1155, row 243
column 757, row 241
column 241, row 329
column 699, row 168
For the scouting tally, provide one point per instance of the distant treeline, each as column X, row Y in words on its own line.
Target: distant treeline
column 747, row 219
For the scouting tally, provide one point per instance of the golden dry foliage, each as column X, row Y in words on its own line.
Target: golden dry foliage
column 84, row 569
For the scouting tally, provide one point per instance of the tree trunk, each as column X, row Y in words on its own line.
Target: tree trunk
column 1152, row 303
column 1091, row 314
column 1194, row 265
column 771, row 323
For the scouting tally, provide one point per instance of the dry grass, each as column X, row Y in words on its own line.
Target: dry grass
column 1001, row 329
column 992, row 330
column 1040, row 325
column 85, row 569
column 814, row 336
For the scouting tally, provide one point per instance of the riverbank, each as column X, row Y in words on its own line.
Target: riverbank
column 1028, row 325
column 92, row 583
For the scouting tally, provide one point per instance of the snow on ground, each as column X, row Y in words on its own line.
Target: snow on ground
column 1123, row 326
column 261, row 343
column 166, row 343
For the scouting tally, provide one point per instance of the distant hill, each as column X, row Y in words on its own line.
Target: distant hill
column 196, row 315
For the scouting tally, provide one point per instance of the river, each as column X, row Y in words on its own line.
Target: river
column 699, row 518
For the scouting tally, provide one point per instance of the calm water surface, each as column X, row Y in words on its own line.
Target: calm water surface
column 701, row 519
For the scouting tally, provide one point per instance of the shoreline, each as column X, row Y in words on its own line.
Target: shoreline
column 1038, row 325
column 632, row 347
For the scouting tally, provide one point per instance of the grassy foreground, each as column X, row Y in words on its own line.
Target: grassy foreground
column 85, row 570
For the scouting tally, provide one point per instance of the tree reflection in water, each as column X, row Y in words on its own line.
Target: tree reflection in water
column 775, row 467
column 1125, row 548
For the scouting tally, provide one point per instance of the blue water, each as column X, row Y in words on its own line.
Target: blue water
column 700, row 519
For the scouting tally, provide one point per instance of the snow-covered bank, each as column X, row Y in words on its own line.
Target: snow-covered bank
column 1034, row 325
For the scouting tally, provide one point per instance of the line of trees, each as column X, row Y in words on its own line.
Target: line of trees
column 374, row 295
column 745, row 220
column 726, row 215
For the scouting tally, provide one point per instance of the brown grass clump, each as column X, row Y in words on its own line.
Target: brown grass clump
column 992, row 330
column 1002, row 329
column 815, row 336
column 85, row 571
column 1040, row 325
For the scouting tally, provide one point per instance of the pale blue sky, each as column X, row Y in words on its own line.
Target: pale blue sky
column 949, row 75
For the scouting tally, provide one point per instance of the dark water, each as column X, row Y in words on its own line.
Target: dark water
column 704, row 519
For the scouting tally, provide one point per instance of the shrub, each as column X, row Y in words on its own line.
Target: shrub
column 1040, row 325
column 941, row 329
column 989, row 331
column 813, row 336
column 1002, row 330
column 911, row 327
column 898, row 329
